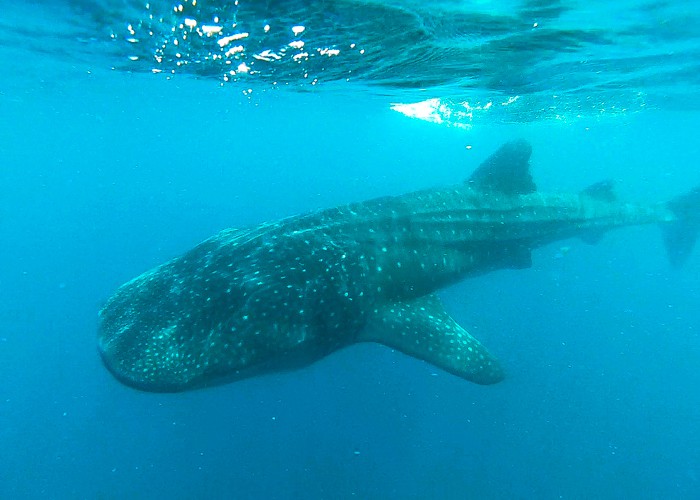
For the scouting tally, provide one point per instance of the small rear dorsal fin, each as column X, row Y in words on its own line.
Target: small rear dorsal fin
column 601, row 191
column 506, row 171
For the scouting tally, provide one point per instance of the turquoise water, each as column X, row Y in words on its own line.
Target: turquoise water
column 111, row 168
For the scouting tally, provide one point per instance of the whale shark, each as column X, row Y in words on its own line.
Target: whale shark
column 281, row 295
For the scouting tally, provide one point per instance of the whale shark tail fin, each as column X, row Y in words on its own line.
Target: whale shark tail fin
column 680, row 235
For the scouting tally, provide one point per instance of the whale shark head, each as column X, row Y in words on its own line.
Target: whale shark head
column 239, row 304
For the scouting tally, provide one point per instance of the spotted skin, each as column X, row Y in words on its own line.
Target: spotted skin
column 282, row 295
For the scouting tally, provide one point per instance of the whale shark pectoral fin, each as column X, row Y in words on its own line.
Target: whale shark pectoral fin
column 422, row 328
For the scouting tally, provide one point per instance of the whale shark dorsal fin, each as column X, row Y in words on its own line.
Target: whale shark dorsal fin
column 602, row 191
column 506, row 171
column 422, row 328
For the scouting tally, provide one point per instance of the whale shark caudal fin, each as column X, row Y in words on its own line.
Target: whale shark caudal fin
column 680, row 235
column 506, row 171
column 422, row 328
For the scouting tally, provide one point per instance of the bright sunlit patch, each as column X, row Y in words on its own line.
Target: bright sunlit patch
column 425, row 110
column 211, row 30
column 454, row 114
column 437, row 111
column 328, row 52
column 224, row 41
column 267, row 55
column 298, row 30
column 234, row 50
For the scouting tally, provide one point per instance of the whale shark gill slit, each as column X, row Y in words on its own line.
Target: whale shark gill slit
column 284, row 294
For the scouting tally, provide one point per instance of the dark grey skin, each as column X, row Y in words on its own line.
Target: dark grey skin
column 284, row 294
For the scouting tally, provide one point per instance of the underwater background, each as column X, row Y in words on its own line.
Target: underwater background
column 117, row 156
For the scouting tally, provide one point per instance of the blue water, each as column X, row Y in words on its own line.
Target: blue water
column 109, row 172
